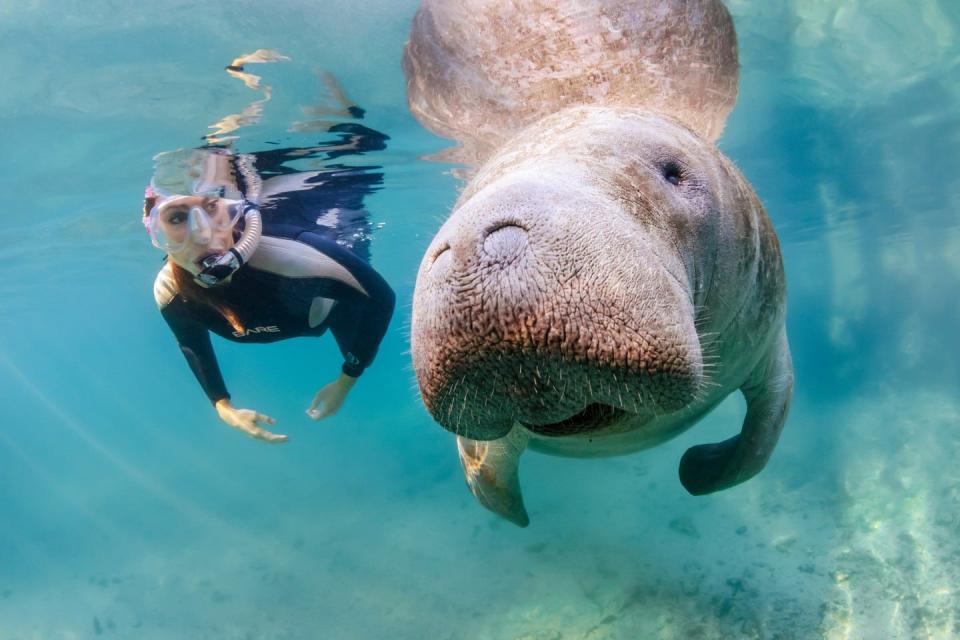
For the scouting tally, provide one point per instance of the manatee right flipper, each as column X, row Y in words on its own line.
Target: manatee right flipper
column 490, row 468
column 707, row 468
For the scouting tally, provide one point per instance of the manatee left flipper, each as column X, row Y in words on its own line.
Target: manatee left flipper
column 490, row 468
column 707, row 468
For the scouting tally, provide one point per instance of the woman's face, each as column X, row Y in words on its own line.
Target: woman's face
column 195, row 236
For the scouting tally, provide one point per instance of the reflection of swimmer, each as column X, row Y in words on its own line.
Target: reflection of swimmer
column 256, row 277
column 253, row 111
column 336, row 104
column 333, row 101
column 331, row 198
column 237, row 70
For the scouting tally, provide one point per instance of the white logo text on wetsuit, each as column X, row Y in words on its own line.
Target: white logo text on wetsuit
column 244, row 334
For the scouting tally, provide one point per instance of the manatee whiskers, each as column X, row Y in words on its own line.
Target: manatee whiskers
column 702, row 319
column 450, row 400
column 703, row 393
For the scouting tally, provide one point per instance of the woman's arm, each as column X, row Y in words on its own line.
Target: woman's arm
column 194, row 341
column 358, row 323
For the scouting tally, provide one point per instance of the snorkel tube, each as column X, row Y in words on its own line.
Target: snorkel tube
column 218, row 268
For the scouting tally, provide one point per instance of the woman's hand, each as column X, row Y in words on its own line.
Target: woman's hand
column 330, row 397
column 248, row 421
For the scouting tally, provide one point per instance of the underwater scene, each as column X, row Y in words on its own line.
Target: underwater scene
column 129, row 509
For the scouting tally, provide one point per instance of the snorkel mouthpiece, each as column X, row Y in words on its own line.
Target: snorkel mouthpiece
column 218, row 268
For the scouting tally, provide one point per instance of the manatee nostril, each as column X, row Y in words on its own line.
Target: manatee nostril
column 505, row 241
column 503, row 224
column 442, row 252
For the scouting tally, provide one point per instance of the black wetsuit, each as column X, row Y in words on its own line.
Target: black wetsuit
column 308, row 274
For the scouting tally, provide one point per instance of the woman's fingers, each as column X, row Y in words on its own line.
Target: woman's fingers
column 266, row 436
column 319, row 414
column 252, row 429
column 329, row 398
column 272, row 438
column 317, row 399
column 324, row 404
column 312, row 410
column 249, row 421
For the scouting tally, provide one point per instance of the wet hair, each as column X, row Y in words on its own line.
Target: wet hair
column 149, row 201
column 212, row 298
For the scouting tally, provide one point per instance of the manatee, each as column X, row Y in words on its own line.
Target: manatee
column 606, row 278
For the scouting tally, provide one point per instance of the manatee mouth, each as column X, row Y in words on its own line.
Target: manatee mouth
column 594, row 416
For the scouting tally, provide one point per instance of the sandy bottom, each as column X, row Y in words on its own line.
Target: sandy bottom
column 852, row 532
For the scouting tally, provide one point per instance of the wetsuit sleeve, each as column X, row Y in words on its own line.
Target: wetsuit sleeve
column 369, row 314
column 194, row 341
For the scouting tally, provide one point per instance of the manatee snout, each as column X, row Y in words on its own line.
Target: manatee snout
column 521, row 315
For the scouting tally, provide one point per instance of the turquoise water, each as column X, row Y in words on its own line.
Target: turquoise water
column 128, row 510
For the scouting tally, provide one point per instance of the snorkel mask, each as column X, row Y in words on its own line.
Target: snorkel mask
column 174, row 221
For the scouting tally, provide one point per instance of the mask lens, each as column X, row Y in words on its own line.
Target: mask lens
column 225, row 216
column 171, row 227
column 168, row 231
column 201, row 228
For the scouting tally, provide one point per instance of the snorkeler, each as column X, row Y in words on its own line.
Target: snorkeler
column 256, row 277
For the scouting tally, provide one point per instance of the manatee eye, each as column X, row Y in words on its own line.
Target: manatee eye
column 672, row 173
